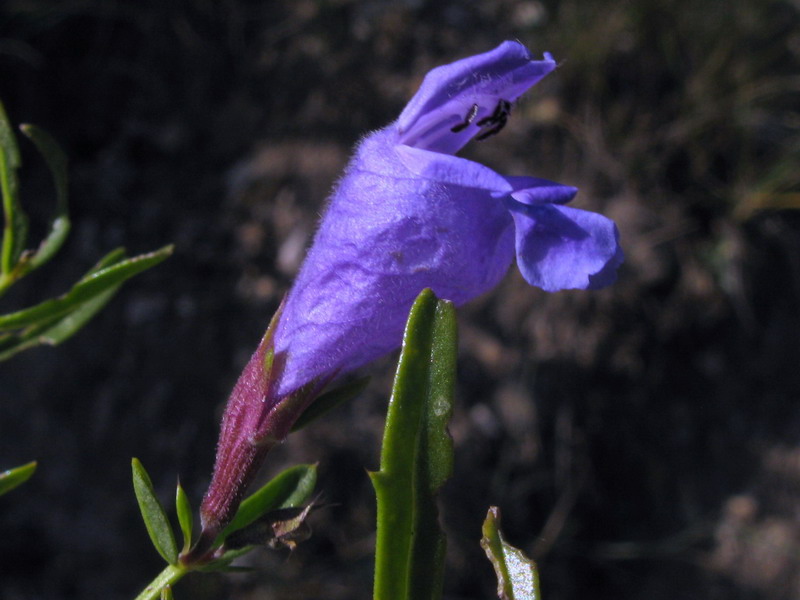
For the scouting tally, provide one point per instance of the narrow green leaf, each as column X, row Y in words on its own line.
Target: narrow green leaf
column 517, row 575
column 290, row 488
column 66, row 326
column 184, row 509
column 15, row 229
column 155, row 519
column 8, row 141
column 56, row 330
column 115, row 256
column 52, row 332
column 17, row 476
column 166, row 593
column 86, row 289
column 330, row 400
column 416, row 457
column 59, row 227
column 11, row 345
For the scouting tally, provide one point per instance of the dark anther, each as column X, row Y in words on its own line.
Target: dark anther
column 501, row 112
column 495, row 122
column 470, row 116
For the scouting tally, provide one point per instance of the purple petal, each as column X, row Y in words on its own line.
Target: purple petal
column 389, row 233
column 560, row 248
column 533, row 190
column 608, row 274
column 446, row 169
column 448, row 95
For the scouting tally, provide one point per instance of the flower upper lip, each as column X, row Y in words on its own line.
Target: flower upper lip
column 442, row 116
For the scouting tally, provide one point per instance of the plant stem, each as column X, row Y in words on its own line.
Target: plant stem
column 6, row 259
column 169, row 576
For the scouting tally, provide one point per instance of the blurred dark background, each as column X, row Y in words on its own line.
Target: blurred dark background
column 643, row 442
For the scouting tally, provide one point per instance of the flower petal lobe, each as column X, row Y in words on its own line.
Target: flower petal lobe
column 560, row 247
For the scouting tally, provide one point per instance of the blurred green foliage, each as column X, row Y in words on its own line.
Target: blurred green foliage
column 52, row 321
column 15, row 477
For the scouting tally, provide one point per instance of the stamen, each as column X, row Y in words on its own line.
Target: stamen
column 495, row 122
column 470, row 116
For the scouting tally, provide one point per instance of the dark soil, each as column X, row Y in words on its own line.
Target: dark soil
column 643, row 442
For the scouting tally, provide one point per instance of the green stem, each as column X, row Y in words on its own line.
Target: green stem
column 8, row 211
column 169, row 576
column 5, row 282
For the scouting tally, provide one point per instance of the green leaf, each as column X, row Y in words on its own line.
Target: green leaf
column 416, row 457
column 93, row 284
column 155, row 519
column 517, row 576
column 330, row 400
column 184, row 509
column 15, row 261
column 55, row 330
column 15, row 477
column 15, row 229
column 8, row 141
column 59, row 227
column 52, row 332
column 112, row 258
column 166, row 593
column 290, row 488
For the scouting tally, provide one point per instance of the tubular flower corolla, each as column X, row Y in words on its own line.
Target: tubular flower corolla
column 407, row 215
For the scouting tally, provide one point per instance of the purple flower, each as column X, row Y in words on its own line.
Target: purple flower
column 407, row 215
